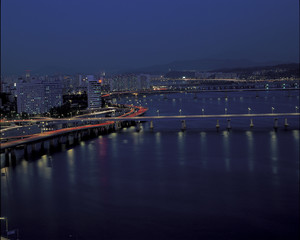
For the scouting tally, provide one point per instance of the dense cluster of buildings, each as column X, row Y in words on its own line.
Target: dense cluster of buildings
column 39, row 94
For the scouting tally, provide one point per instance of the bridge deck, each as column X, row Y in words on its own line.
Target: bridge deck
column 183, row 117
column 48, row 135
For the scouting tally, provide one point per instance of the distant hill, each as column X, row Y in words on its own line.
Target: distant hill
column 203, row 65
column 286, row 67
column 291, row 70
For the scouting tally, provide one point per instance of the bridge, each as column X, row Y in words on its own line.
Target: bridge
column 184, row 117
column 106, row 125
column 63, row 135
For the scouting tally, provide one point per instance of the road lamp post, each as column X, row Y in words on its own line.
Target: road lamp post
column 157, row 113
column 296, row 109
column 225, row 111
column 202, row 111
column 180, row 112
column 249, row 110
column 273, row 110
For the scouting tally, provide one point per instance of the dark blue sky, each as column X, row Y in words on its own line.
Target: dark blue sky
column 90, row 35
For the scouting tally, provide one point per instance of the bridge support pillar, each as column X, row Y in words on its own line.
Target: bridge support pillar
column 12, row 153
column 51, row 143
column 96, row 131
column 33, row 148
column 13, row 157
column 42, row 148
column 60, row 140
column 67, row 140
column 228, row 125
column 251, row 123
column 6, row 152
column 183, row 125
column 77, row 137
column 275, row 124
column 151, row 125
column 117, row 125
column 286, row 124
column 25, row 150
column 138, row 126
column 218, row 125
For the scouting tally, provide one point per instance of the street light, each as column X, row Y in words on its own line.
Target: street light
column 249, row 110
column 273, row 110
column 180, row 112
column 296, row 109
column 157, row 112
column 225, row 111
column 202, row 111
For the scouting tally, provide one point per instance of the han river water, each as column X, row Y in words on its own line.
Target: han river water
column 165, row 183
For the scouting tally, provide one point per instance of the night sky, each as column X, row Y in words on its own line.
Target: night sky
column 94, row 35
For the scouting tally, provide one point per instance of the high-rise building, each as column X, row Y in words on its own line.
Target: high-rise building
column 94, row 92
column 38, row 96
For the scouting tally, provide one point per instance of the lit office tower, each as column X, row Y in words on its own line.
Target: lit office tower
column 94, row 92
column 38, row 96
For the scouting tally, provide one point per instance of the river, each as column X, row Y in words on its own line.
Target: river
column 165, row 183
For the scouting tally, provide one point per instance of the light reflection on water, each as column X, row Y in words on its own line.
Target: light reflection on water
column 296, row 134
column 226, row 150
column 158, row 150
column 251, row 153
column 203, row 148
column 274, row 152
column 71, row 166
column 181, row 148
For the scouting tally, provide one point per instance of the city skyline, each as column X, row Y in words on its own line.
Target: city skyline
column 89, row 36
column 149, row 119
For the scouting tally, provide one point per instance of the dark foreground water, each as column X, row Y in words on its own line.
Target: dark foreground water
column 167, row 184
